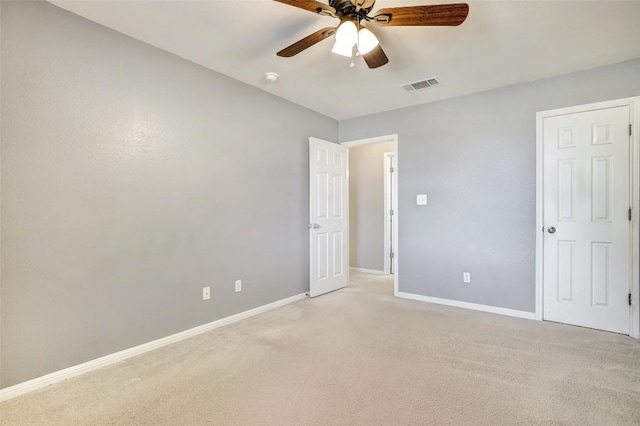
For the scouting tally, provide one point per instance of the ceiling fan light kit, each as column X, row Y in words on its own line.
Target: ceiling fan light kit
column 350, row 33
column 346, row 38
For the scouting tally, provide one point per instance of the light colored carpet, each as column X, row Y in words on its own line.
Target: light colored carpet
column 359, row 357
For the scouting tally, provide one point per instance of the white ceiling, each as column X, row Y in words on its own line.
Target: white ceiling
column 500, row 43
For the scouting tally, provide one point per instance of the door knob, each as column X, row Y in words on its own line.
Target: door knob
column 551, row 230
column 314, row 226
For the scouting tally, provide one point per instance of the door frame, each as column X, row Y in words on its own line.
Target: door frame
column 388, row 190
column 634, row 161
column 394, row 185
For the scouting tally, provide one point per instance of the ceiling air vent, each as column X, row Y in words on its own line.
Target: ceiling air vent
column 422, row 84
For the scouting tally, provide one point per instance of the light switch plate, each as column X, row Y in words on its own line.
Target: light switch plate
column 421, row 199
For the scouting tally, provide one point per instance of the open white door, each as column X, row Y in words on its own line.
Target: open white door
column 328, row 217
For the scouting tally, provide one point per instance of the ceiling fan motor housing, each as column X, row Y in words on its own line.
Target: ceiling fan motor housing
column 347, row 8
column 342, row 5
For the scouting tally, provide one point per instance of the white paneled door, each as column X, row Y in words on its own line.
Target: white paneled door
column 329, row 216
column 587, row 230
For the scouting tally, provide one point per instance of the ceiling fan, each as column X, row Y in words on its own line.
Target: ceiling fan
column 353, row 14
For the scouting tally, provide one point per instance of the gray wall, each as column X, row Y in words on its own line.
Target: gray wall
column 475, row 158
column 366, row 205
column 131, row 179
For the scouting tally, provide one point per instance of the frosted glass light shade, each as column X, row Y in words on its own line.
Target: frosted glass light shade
column 346, row 38
column 347, row 33
column 366, row 41
column 342, row 49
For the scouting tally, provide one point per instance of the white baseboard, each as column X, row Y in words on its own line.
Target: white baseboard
column 76, row 370
column 467, row 305
column 367, row 271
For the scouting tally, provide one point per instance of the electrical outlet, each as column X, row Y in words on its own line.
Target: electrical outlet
column 238, row 285
column 466, row 277
column 206, row 293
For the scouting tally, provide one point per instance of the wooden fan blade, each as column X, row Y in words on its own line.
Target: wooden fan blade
column 310, row 5
column 366, row 4
column 362, row 4
column 439, row 15
column 306, row 42
column 376, row 58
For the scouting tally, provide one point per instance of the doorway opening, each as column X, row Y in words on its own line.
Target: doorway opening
column 373, row 207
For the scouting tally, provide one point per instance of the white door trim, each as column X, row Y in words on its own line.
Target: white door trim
column 387, row 211
column 394, row 185
column 634, row 107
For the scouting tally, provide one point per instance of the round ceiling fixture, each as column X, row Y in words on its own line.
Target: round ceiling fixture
column 271, row 77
